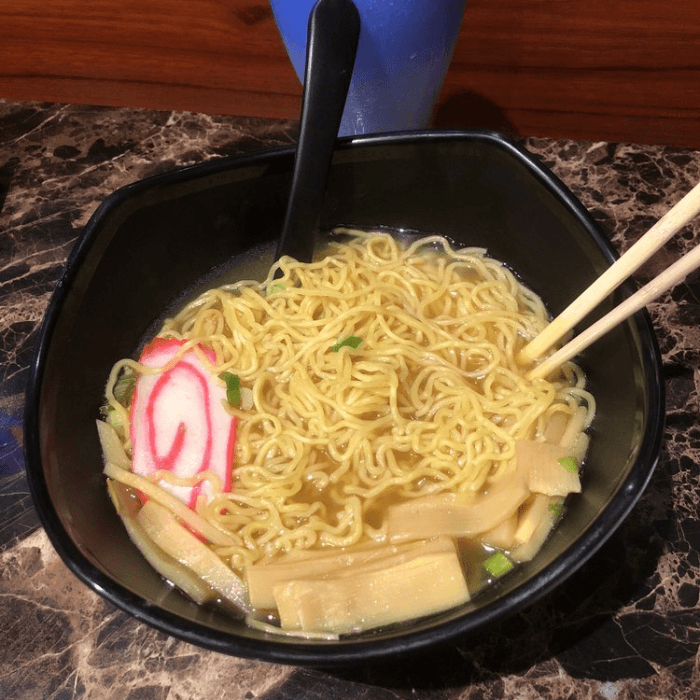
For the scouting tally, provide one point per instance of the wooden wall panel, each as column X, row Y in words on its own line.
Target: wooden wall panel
column 594, row 69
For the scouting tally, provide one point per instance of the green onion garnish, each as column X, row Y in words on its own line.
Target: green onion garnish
column 555, row 510
column 278, row 287
column 498, row 564
column 233, row 388
column 124, row 387
column 569, row 463
column 113, row 417
column 352, row 341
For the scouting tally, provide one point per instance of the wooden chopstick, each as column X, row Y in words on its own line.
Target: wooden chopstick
column 669, row 277
column 669, row 224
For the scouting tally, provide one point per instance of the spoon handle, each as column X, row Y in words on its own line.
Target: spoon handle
column 334, row 30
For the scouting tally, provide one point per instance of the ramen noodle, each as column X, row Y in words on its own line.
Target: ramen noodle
column 350, row 443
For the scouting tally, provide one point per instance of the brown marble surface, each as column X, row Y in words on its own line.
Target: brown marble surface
column 627, row 626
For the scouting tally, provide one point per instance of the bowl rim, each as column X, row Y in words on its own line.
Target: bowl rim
column 348, row 652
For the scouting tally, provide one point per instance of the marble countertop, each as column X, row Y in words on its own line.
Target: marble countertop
column 626, row 626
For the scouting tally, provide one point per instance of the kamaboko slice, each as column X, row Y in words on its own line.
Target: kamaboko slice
column 179, row 422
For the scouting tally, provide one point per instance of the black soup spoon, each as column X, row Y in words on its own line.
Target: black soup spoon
column 333, row 34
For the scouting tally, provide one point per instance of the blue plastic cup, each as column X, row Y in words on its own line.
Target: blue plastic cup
column 404, row 52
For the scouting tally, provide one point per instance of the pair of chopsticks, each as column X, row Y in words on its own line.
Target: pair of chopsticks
column 640, row 252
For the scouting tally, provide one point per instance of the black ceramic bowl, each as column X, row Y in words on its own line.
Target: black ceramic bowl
column 156, row 241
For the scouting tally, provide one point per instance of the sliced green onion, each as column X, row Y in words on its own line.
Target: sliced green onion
column 124, row 387
column 498, row 564
column 277, row 287
column 555, row 510
column 233, row 388
column 569, row 463
column 352, row 341
column 113, row 417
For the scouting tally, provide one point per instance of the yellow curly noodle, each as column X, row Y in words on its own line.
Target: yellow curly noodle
column 431, row 401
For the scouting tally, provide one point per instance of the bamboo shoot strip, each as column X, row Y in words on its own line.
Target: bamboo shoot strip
column 669, row 224
column 667, row 279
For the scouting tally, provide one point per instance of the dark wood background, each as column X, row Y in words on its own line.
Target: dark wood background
column 619, row 70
